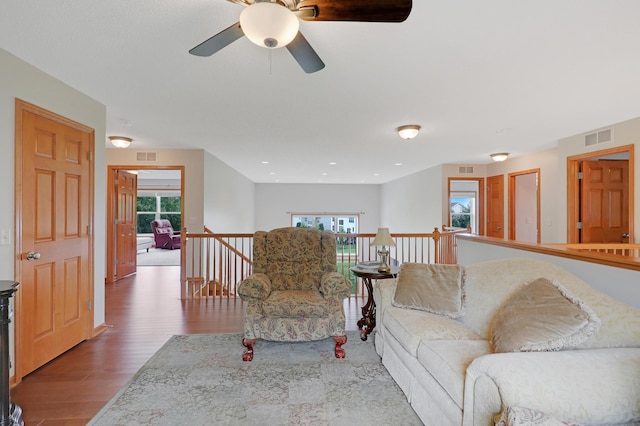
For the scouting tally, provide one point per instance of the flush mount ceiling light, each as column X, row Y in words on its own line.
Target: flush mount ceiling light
column 500, row 156
column 409, row 131
column 269, row 25
column 120, row 141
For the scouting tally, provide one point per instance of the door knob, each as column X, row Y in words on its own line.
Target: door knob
column 33, row 255
column 625, row 235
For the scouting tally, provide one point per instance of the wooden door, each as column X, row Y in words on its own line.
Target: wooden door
column 126, row 185
column 605, row 201
column 54, row 202
column 495, row 206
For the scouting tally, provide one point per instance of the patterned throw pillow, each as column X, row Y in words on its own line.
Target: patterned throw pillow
column 542, row 316
column 438, row 289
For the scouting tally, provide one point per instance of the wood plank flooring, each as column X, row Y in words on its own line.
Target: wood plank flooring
column 142, row 312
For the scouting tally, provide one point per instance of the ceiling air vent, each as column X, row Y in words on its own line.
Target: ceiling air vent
column 598, row 137
column 147, row 157
column 465, row 170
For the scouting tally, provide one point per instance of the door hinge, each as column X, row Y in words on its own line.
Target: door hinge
column 90, row 155
column 115, row 222
column 580, row 175
column 89, row 229
column 89, row 304
column 579, row 225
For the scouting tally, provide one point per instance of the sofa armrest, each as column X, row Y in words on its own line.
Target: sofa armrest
column 254, row 288
column 383, row 292
column 595, row 386
column 335, row 284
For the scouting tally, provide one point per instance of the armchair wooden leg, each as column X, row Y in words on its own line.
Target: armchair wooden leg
column 340, row 340
column 248, row 343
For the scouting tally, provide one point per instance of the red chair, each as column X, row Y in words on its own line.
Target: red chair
column 164, row 236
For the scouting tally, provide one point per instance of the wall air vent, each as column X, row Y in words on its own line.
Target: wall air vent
column 598, row 137
column 465, row 170
column 147, row 157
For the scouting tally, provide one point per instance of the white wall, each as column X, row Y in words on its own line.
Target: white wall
column 621, row 284
column 229, row 198
column 414, row 203
column 526, row 207
column 551, row 215
column 276, row 202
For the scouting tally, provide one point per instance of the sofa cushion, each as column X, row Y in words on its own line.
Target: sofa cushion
column 520, row 416
column 542, row 316
column 447, row 361
column 433, row 288
column 409, row 327
column 295, row 303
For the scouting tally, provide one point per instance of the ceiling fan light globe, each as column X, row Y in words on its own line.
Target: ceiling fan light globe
column 269, row 25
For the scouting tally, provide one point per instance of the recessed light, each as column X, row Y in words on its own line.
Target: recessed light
column 324, row 174
column 264, row 162
column 272, row 173
column 376, row 174
column 398, row 164
column 333, row 163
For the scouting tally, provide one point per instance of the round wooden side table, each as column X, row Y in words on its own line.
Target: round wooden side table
column 368, row 271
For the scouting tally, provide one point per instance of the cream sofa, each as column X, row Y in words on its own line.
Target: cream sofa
column 451, row 375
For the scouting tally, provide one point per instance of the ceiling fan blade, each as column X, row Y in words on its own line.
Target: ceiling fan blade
column 358, row 10
column 304, row 54
column 218, row 41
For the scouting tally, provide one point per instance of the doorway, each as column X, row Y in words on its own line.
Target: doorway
column 466, row 204
column 159, row 194
column 600, row 196
column 524, row 206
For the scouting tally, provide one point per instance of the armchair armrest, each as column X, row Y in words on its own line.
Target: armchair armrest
column 594, row 386
column 335, row 284
column 254, row 288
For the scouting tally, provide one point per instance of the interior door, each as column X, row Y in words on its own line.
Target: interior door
column 54, row 196
column 495, row 206
column 126, row 195
column 605, row 201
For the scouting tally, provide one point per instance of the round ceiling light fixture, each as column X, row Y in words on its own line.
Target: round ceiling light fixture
column 120, row 141
column 269, row 25
column 500, row 156
column 409, row 131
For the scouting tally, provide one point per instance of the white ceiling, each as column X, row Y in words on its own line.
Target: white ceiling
column 479, row 76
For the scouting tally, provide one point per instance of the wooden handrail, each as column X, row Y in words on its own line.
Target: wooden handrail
column 559, row 250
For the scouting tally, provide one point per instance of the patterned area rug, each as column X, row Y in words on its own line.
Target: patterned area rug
column 202, row 380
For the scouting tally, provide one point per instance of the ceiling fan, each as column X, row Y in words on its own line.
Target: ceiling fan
column 274, row 23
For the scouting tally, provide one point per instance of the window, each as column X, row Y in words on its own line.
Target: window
column 152, row 205
column 462, row 209
column 327, row 222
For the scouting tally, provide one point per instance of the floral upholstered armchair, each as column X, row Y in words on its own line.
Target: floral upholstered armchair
column 294, row 293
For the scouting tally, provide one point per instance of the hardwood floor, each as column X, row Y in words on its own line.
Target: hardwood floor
column 142, row 312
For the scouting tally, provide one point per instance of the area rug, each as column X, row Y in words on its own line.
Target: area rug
column 201, row 379
column 158, row 257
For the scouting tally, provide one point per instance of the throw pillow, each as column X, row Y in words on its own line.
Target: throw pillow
column 438, row 289
column 542, row 316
